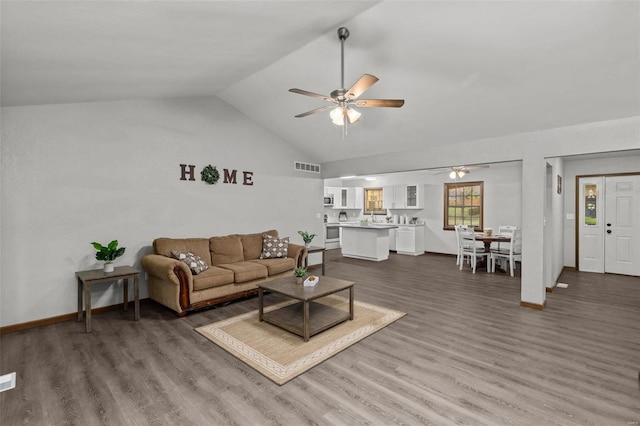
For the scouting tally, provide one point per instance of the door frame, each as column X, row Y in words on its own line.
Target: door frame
column 577, row 206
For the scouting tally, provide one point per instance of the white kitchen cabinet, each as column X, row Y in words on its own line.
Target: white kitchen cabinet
column 355, row 197
column 403, row 196
column 344, row 199
column 347, row 198
column 392, row 239
column 393, row 197
column 414, row 196
column 410, row 240
column 335, row 191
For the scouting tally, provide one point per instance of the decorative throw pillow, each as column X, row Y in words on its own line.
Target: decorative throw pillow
column 195, row 263
column 274, row 247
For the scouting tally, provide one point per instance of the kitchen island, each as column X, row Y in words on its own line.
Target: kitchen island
column 367, row 242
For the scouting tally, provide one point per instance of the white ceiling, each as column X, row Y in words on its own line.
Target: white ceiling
column 467, row 70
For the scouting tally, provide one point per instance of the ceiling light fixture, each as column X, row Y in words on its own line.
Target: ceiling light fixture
column 343, row 100
column 340, row 115
column 457, row 174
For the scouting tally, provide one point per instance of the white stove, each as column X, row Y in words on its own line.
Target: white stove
column 331, row 236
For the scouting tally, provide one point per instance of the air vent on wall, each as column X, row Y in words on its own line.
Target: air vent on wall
column 306, row 167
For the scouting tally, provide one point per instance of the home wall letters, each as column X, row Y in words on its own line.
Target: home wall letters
column 187, row 173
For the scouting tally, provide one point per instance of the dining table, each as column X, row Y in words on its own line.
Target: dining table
column 487, row 240
column 493, row 238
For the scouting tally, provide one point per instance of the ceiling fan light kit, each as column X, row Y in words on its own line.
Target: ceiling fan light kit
column 343, row 101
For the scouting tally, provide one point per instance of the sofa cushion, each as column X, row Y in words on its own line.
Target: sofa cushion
column 274, row 247
column 212, row 277
column 246, row 271
column 277, row 266
column 252, row 244
column 197, row 246
column 227, row 249
column 193, row 261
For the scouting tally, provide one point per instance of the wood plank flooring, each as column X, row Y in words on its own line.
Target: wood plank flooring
column 466, row 353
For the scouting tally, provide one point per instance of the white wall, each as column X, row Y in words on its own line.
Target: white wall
column 77, row 173
column 629, row 163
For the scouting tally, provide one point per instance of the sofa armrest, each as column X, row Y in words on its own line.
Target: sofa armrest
column 172, row 271
column 297, row 252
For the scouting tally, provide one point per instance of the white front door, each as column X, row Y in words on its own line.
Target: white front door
column 590, row 224
column 622, row 225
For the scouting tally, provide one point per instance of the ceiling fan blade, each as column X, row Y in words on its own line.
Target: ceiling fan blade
column 313, row 111
column 389, row 103
column 313, row 95
column 366, row 81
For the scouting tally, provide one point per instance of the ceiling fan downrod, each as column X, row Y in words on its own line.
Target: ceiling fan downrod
column 343, row 34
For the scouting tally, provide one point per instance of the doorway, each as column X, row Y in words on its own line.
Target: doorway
column 607, row 227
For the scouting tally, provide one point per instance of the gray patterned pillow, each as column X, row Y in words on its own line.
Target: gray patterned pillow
column 193, row 261
column 274, row 247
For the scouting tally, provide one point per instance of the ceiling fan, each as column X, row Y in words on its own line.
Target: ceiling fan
column 343, row 100
column 457, row 172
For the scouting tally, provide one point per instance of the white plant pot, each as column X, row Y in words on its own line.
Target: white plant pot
column 108, row 267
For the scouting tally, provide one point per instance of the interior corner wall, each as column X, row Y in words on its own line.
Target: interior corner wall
column 77, row 173
column 556, row 221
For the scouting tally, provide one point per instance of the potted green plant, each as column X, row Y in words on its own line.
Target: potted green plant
column 299, row 272
column 108, row 253
column 306, row 237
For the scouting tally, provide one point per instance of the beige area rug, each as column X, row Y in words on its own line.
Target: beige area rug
column 281, row 355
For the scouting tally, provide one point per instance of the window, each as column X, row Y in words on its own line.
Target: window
column 463, row 204
column 373, row 201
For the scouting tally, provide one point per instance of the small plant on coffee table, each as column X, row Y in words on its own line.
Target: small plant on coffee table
column 299, row 274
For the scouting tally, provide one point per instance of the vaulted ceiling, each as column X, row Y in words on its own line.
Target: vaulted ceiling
column 467, row 70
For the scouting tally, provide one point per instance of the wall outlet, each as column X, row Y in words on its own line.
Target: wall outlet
column 570, row 216
column 8, row 381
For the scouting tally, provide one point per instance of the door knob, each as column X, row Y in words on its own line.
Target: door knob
column 608, row 231
column 608, row 224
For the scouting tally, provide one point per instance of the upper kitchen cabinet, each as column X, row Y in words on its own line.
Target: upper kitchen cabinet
column 404, row 196
column 355, row 197
column 347, row 198
column 414, row 196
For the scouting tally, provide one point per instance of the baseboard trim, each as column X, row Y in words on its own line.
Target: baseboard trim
column 440, row 254
column 549, row 289
column 533, row 305
column 55, row 320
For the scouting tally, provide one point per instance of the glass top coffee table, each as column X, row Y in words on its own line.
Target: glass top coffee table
column 305, row 317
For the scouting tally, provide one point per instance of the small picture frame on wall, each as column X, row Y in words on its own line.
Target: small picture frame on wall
column 559, row 189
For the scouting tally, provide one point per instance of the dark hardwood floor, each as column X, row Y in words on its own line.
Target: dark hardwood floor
column 466, row 353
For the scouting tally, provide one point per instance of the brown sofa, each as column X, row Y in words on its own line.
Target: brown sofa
column 234, row 269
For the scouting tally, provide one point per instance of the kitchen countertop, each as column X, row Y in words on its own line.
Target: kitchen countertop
column 369, row 225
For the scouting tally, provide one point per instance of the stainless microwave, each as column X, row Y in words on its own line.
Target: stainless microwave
column 328, row 200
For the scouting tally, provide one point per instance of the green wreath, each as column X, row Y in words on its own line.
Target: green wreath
column 210, row 175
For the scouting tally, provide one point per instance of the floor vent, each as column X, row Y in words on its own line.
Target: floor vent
column 306, row 167
column 8, row 381
column 562, row 285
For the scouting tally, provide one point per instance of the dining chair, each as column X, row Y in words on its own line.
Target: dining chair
column 505, row 230
column 469, row 249
column 459, row 242
column 513, row 253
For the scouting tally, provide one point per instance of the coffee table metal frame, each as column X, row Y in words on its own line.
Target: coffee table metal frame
column 306, row 317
